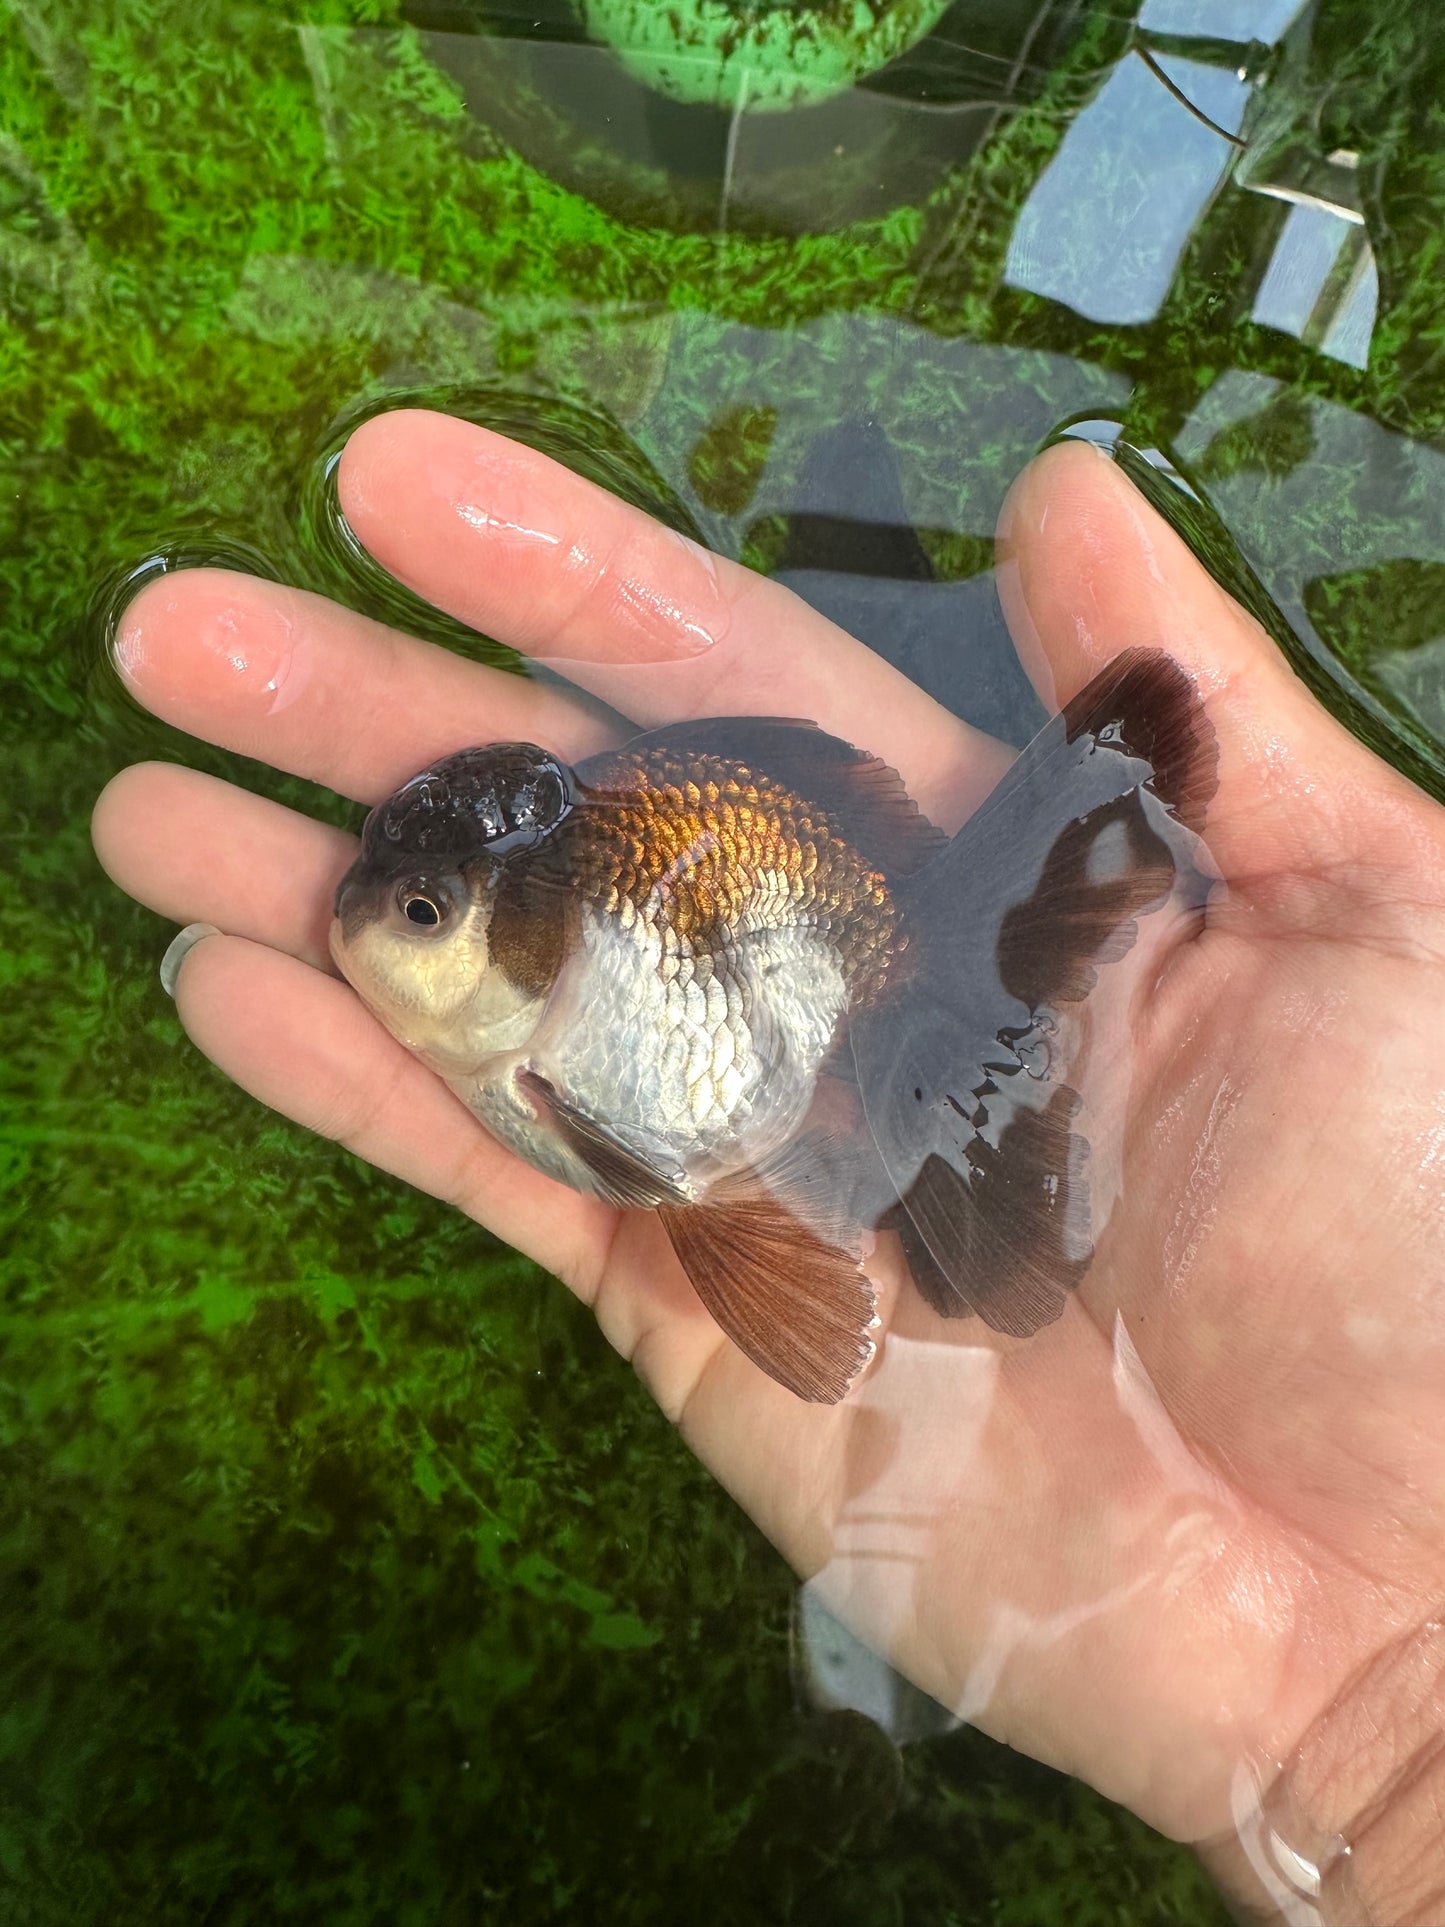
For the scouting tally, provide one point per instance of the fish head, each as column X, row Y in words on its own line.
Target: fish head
column 437, row 926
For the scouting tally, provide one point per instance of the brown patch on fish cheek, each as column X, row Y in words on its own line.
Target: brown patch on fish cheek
column 532, row 931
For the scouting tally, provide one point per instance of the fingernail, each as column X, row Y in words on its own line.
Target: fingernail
column 710, row 615
column 179, row 948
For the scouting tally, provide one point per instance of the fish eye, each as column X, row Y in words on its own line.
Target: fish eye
column 424, row 904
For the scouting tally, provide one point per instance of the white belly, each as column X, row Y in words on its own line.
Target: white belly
column 701, row 1065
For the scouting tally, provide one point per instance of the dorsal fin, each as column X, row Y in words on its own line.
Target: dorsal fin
column 863, row 796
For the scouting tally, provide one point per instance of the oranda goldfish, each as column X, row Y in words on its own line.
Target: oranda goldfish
column 639, row 972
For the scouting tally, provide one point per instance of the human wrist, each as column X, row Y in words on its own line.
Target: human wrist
column 1349, row 1830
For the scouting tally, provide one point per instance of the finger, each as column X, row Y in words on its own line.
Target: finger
column 305, row 1045
column 516, row 545
column 197, row 850
column 1087, row 568
column 310, row 687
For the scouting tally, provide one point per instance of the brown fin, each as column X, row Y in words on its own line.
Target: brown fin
column 799, row 1307
column 1145, row 705
column 1008, row 1238
column 1103, row 872
column 815, row 1177
column 621, row 1175
column 862, row 795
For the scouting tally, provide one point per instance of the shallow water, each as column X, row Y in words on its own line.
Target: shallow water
column 350, row 1575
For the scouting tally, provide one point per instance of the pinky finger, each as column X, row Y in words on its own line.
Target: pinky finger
column 302, row 1043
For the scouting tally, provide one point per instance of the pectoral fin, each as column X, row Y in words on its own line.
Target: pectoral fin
column 776, row 1276
column 619, row 1174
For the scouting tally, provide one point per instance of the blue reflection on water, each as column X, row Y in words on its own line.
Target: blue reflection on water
column 1242, row 20
column 1109, row 218
column 1308, row 247
column 1348, row 338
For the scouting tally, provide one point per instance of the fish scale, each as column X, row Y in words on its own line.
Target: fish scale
column 727, row 850
column 713, row 1058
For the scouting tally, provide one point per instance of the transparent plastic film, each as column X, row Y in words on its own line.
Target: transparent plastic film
column 1024, row 1312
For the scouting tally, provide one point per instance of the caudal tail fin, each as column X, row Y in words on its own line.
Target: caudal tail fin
column 970, row 1077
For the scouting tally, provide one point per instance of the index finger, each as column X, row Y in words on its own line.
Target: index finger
column 518, row 546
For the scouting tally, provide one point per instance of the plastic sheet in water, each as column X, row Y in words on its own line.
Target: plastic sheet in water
column 937, row 1127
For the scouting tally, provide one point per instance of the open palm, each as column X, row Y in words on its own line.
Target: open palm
column 1156, row 1542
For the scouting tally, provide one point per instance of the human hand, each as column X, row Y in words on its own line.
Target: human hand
column 1155, row 1543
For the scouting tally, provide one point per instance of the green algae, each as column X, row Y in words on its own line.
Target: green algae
column 761, row 55
column 348, row 1576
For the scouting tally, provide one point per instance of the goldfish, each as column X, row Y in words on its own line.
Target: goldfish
column 730, row 973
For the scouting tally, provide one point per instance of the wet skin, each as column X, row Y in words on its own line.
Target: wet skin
column 1163, row 1536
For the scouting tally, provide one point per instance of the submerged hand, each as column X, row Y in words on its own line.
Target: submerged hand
column 1161, row 1542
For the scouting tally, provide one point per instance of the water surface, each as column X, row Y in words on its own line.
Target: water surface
column 347, row 1575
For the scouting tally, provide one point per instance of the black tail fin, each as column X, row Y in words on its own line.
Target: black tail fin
column 966, row 1075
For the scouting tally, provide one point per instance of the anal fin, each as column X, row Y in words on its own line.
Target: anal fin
column 795, row 1302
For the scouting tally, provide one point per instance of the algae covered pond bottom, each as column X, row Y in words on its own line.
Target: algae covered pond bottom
column 346, row 1573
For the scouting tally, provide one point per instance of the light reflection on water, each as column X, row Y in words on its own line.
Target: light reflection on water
column 1239, row 20
column 1312, row 244
column 1107, row 222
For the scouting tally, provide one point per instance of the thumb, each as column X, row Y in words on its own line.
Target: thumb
column 1087, row 568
